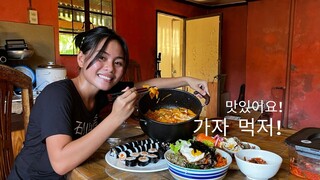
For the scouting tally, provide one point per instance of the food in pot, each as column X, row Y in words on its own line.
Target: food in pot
column 153, row 91
column 256, row 160
column 171, row 115
column 195, row 154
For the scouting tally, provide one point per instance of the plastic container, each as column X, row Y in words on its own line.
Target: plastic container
column 304, row 153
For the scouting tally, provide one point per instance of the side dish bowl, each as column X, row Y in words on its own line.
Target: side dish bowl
column 235, row 150
column 258, row 171
column 182, row 173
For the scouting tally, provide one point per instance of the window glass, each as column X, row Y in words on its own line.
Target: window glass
column 72, row 20
column 66, row 44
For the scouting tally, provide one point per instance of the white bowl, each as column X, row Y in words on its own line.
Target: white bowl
column 258, row 171
column 180, row 173
column 252, row 146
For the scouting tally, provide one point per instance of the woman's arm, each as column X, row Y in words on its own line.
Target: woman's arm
column 65, row 154
column 196, row 84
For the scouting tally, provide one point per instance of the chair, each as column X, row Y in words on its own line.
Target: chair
column 133, row 72
column 10, row 78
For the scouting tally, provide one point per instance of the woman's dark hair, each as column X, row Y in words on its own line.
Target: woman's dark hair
column 87, row 41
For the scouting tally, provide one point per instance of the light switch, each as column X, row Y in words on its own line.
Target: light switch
column 33, row 16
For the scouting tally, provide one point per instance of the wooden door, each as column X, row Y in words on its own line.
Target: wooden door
column 203, row 56
column 170, row 44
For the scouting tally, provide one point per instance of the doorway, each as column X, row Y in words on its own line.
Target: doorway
column 189, row 49
column 170, row 42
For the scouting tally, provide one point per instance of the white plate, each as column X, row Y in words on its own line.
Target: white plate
column 151, row 167
column 253, row 146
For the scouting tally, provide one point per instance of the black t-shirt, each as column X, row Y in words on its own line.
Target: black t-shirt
column 59, row 109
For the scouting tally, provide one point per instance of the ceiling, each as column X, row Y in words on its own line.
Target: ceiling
column 214, row 3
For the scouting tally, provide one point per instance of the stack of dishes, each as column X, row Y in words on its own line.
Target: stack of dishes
column 179, row 172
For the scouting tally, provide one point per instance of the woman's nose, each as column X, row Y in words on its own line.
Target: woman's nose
column 108, row 65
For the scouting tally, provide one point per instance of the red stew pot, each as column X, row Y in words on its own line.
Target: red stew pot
column 169, row 98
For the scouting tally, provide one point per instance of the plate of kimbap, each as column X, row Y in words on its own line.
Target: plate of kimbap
column 138, row 156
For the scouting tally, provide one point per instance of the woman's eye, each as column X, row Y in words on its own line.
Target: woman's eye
column 118, row 63
column 102, row 58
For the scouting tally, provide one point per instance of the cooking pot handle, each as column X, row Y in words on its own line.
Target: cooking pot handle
column 206, row 97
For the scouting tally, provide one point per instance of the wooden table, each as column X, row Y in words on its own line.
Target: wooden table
column 97, row 168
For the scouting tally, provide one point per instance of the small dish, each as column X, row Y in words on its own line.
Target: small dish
column 238, row 148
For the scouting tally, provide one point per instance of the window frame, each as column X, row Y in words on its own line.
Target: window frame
column 86, row 25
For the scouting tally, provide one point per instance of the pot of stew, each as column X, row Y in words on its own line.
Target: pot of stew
column 170, row 116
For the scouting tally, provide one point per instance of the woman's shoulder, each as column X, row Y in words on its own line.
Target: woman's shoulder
column 57, row 89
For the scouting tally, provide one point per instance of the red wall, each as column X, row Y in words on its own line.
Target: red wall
column 267, row 50
column 304, row 87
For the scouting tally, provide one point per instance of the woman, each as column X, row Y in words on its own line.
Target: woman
column 65, row 127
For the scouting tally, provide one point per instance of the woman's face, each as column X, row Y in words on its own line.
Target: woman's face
column 108, row 69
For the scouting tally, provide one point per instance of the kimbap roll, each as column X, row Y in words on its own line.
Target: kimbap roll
column 143, row 153
column 153, row 158
column 135, row 154
column 131, row 161
column 143, row 161
column 153, row 151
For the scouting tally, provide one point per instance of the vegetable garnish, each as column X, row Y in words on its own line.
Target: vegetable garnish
column 209, row 141
column 177, row 145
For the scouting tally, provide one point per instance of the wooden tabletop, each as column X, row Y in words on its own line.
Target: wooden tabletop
column 97, row 168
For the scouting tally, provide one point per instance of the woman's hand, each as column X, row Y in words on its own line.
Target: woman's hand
column 124, row 105
column 198, row 85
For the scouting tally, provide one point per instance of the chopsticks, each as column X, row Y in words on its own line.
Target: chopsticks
column 113, row 96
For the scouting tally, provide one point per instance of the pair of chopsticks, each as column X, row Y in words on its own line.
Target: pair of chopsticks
column 113, row 96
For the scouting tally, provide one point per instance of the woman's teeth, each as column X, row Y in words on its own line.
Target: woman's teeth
column 104, row 77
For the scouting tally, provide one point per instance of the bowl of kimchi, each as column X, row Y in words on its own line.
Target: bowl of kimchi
column 258, row 164
column 194, row 160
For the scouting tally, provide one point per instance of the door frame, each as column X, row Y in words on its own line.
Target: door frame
column 183, row 58
column 219, row 76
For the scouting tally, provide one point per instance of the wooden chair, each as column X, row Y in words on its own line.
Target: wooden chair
column 10, row 78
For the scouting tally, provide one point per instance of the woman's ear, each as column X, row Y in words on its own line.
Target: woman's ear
column 80, row 59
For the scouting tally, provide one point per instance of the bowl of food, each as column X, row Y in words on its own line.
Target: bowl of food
column 258, row 164
column 234, row 144
column 194, row 160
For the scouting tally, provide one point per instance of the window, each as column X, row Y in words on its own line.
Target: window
column 76, row 16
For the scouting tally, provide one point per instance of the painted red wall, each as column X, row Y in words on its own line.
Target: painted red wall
column 283, row 51
column 304, row 92
column 267, row 48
